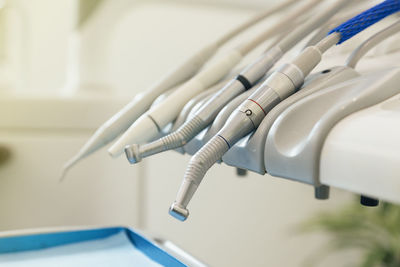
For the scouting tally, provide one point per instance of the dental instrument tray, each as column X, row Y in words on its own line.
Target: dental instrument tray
column 117, row 246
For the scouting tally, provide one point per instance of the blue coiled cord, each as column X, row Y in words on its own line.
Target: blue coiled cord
column 366, row 19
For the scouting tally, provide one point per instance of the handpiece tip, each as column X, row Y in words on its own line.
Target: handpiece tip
column 63, row 174
column 67, row 166
column 178, row 212
column 132, row 153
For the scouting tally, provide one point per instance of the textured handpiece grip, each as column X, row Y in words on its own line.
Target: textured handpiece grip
column 366, row 19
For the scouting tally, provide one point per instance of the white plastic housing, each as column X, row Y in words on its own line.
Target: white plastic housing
column 361, row 153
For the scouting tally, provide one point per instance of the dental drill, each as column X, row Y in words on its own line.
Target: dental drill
column 244, row 81
column 147, row 127
column 281, row 84
column 123, row 119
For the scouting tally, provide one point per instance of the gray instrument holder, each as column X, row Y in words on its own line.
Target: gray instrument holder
column 295, row 140
column 248, row 153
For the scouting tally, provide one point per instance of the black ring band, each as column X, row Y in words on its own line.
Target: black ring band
column 155, row 123
column 243, row 80
column 227, row 143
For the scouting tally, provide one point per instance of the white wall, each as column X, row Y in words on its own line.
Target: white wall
column 41, row 134
column 41, row 30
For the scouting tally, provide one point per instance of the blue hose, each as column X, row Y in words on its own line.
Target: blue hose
column 366, row 19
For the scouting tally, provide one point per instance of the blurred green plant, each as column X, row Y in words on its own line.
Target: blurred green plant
column 86, row 9
column 375, row 232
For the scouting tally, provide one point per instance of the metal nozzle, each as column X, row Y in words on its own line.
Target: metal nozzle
column 197, row 168
column 132, row 153
column 180, row 137
column 69, row 165
column 178, row 212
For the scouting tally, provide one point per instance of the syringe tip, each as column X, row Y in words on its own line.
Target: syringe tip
column 178, row 212
column 64, row 172
column 67, row 166
column 133, row 154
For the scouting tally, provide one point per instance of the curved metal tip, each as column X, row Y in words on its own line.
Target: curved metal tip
column 63, row 175
column 67, row 166
column 178, row 212
column 132, row 153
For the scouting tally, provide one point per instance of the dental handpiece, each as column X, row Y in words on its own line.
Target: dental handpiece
column 244, row 81
column 207, row 112
column 147, row 127
column 282, row 83
column 123, row 119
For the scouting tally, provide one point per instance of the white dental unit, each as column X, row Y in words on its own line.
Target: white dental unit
column 337, row 131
